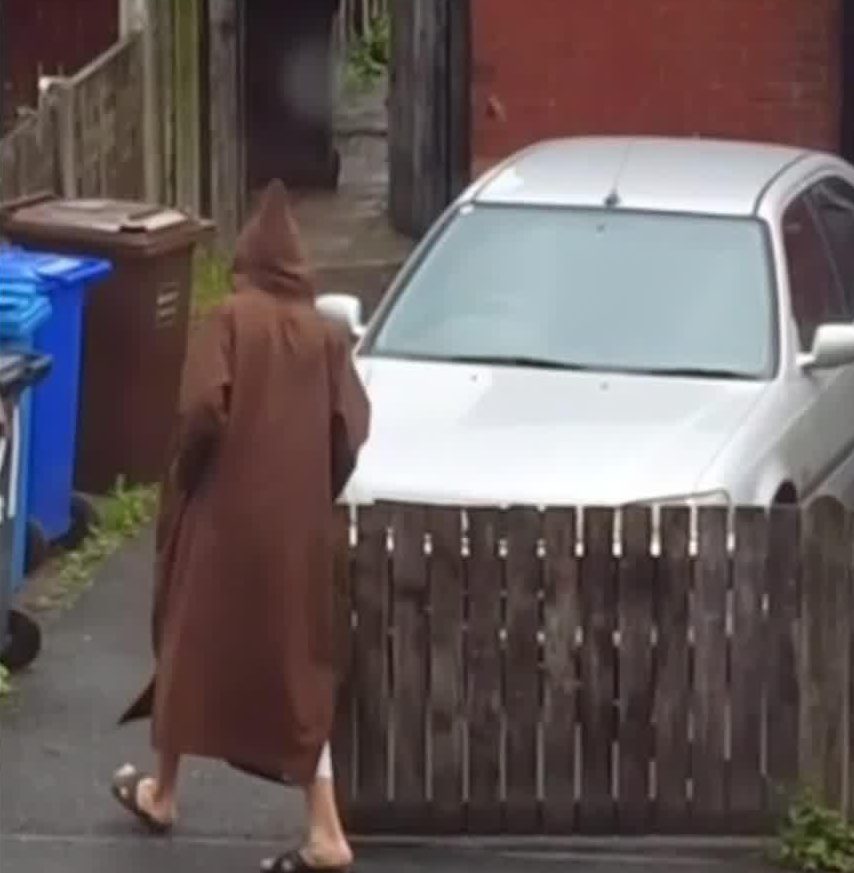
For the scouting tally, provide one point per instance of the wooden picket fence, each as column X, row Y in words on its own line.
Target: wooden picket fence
column 526, row 672
column 86, row 137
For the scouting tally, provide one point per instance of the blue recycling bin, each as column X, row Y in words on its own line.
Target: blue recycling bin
column 64, row 280
column 20, row 319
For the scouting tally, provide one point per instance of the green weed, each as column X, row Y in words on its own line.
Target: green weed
column 814, row 839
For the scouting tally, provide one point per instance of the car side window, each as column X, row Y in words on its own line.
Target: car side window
column 815, row 293
column 834, row 203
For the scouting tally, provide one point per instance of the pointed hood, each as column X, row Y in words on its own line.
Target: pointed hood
column 269, row 254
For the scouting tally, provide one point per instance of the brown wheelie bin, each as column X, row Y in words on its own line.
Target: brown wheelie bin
column 135, row 329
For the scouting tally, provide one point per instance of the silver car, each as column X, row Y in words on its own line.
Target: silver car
column 607, row 321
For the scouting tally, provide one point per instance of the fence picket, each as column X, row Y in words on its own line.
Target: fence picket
column 447, row 677
column 521, row 666
column 484, row 674
column 371, row 589
column 672, row 678
column 709, row 703
column 781, row 641
column 824, row 652
column 598, row 672
column 343, row 733
column 560, row 713
column 635, row 608
column 746, row 789
column 409, row 669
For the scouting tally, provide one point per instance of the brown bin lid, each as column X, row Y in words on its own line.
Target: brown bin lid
column 123, row 226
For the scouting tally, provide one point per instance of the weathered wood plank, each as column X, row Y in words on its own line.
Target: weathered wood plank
column 746, row 807
column 343, row 739
column 371, row 594
column 780, row 658
column 562, row 620
column 825, row 633
column 523, row 570
column 672, row 678
column 598, row 669
column 483, row 659
column 447, row 680
column 636, row 605
column 410, row 659
column 226, row 180
column 186, row 23
column 709, row 704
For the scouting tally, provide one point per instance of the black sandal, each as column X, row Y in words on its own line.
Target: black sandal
column 293, row 862
column 125, row 789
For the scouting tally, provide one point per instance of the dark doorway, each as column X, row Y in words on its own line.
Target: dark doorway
column 289, row 93
column 848, row 79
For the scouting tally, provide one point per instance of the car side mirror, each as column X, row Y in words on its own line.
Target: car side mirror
column 345, row 309
column 832, row 347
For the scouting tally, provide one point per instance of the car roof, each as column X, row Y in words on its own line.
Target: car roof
column 715, row 177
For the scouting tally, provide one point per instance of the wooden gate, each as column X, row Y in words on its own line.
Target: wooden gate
column 429, row 109
column 522, row 672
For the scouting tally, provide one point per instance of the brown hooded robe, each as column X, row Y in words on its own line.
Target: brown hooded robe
column 272, row 414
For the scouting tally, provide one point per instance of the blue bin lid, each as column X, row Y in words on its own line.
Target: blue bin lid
column 31, row 271
column 20, row 317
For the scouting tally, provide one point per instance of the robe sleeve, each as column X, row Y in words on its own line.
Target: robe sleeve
column 204, row 400
column 350, row 413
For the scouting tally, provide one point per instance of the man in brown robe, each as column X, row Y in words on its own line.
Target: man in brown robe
column 272, row 415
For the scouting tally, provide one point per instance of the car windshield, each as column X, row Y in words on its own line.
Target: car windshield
column 590, row 290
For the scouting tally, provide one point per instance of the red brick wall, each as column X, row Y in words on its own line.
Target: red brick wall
column 750, row 69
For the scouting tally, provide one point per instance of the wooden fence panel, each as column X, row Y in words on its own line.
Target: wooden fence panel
column 598, row 672
column 107, row 135
column 447, row 673
column 483, row 657
column 746, row 808
column 409, row 668
column 87, row 138
column 561, row 626
column 521, row 667
column 635, row 607
column 501, row 680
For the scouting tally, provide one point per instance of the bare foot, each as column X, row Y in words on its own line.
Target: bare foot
column 161, row 811
column 327, row 856
column 137, row 794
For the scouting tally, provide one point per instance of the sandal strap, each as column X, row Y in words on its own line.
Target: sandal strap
column 293, row 862
column 289, row 862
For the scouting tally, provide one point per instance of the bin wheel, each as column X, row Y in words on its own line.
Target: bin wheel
column 39, row 548
column 24, row 642
column 84, row 516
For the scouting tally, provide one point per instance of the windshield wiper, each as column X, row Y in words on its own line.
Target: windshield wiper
column 514, row 361
column 694, row 373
